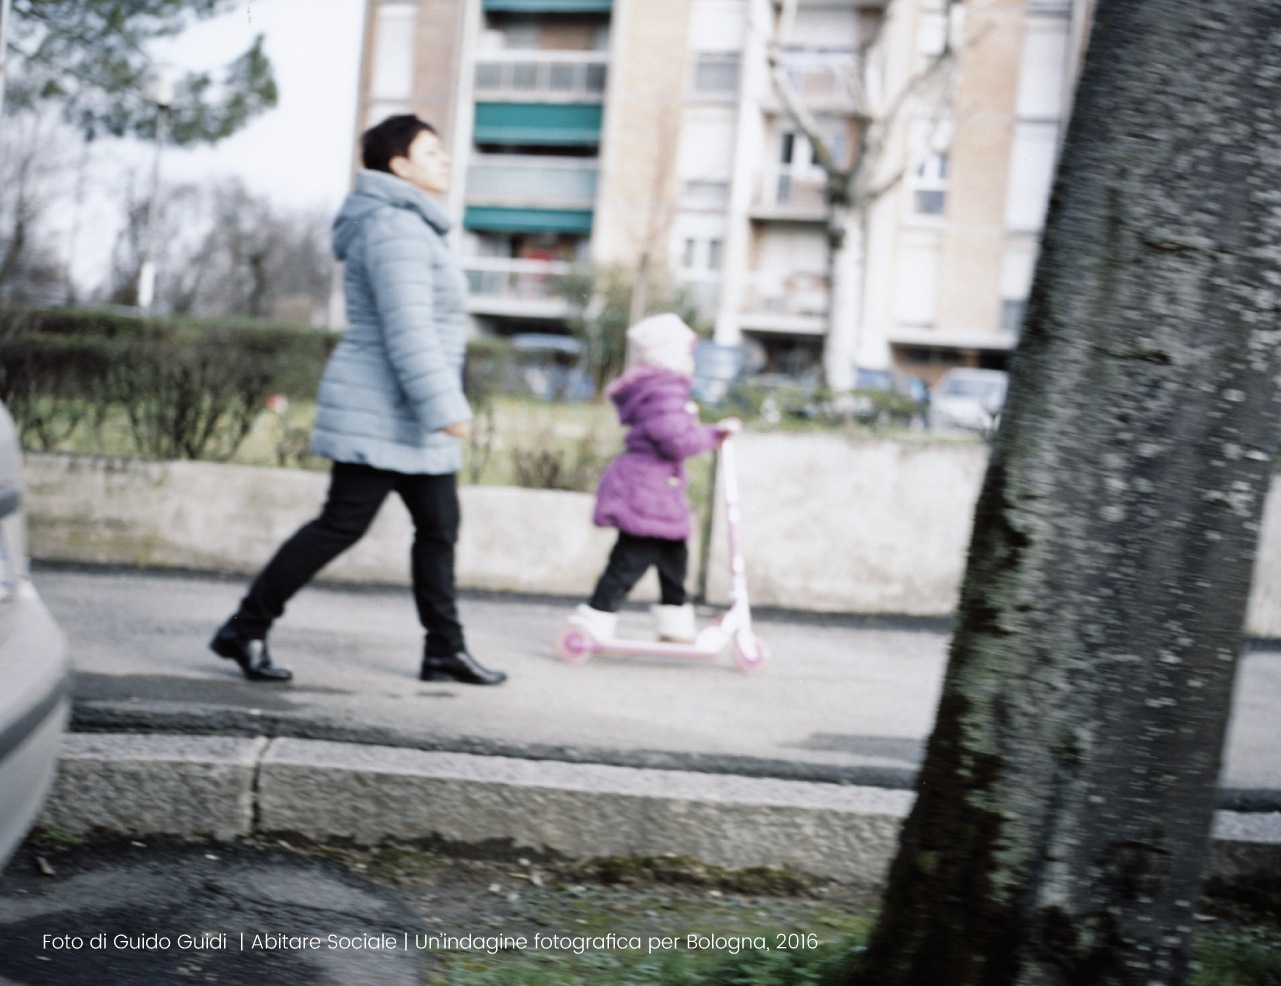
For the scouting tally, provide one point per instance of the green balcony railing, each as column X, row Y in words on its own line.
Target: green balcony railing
column 503, row 219
column 538, row 124
column 550, row 6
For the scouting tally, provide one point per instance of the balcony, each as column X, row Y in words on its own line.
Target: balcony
column 517, row 288
column 793, row 303
column 785, row 197
column 538, row 124
column 825, row 80
column 550, row 6
column 532, row 182
column 543, row 75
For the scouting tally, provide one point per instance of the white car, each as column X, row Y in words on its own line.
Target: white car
column 968, row 399
column 35, row 676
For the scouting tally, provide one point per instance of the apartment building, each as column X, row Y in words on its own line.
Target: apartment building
column 951, row 247
column 648, row 135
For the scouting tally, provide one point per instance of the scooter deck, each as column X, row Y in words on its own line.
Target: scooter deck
column 652, row 648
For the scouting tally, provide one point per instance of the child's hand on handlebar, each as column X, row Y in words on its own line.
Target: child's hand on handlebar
column 729, row 426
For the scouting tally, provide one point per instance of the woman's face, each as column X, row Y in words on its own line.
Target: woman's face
column 427, row 164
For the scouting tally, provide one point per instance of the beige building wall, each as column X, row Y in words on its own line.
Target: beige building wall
column 439, row 48
column 637, row 190
column 430, row 34
column 969, row 297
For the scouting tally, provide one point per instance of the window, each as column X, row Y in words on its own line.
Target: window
column 1031, row 174
column 916, row 280
column 562, row 77
column 705, row 194
column 1012, row 317
column 716, row 74
column 713, row 254
column 717, row 25
column 929, row 186
column 393, row 73
column 687, row 258
column 930, row 201
column 801, row 180
column 524, row 76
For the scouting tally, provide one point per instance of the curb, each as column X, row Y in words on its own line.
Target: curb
column 220, row 787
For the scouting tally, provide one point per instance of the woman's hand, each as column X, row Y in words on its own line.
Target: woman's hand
column 459, row 429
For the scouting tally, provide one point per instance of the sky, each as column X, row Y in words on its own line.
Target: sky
column 298, row 154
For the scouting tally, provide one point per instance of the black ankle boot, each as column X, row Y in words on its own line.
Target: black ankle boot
column 460, row 667
column 251, row 655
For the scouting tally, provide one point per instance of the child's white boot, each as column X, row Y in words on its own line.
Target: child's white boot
column 596, row 622
column 676, row 623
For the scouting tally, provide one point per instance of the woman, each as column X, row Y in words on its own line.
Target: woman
column 391, row 407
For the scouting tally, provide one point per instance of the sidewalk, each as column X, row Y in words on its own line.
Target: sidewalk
column 842, row 700
column 806, row 764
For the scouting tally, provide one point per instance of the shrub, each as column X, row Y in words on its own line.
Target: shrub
column 549, row 466
column 189, row 389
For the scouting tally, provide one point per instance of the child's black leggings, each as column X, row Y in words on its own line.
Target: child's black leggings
column 628, row 562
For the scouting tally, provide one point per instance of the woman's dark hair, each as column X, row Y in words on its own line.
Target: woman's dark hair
column 389, row 139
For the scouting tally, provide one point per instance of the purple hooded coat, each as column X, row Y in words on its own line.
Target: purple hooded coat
column 643, row 490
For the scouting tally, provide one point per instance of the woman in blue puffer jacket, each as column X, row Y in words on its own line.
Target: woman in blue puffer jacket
column 391, row 407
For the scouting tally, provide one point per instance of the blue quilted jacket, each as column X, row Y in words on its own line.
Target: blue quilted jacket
column 395, row 379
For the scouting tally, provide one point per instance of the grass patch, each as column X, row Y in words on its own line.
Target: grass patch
column 830, row 963
column 674, row 869
column 758, row 925
column 1244, row 957
column 54, row 840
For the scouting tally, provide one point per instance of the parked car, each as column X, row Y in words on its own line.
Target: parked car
column 969, row 399
column 717, row 369
column 885, row 397
column 548, row 366
column 35, row 677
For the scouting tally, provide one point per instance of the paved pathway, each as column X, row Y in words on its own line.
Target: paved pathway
column 841, row 698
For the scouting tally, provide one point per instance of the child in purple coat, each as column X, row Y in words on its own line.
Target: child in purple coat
column 642, row 493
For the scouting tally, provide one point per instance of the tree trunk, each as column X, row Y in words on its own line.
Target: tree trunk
column 844, row 258
column 1068, row 789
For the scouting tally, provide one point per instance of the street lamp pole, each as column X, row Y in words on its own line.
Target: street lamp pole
column 162, row 96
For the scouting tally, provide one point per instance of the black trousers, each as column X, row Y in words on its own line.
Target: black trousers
column 355, row 494
column 630, row 559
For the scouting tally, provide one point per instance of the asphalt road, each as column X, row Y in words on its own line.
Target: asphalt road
column 136, row 915
column 841, row 699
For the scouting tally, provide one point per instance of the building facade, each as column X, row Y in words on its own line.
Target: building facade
column 649, row 136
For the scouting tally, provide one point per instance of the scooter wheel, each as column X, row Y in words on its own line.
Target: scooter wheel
column 575, row 645
column 751, row 661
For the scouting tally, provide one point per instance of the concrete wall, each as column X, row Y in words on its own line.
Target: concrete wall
column 227, row 518
column 831, row 523
column 842, row 524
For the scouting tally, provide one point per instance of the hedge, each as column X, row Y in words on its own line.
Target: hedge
column 190, row 389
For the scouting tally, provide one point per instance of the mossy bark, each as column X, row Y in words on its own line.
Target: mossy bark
column 1068, row 789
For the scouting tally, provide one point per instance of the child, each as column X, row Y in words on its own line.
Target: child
column 642, row 493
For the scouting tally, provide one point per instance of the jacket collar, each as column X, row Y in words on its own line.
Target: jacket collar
column 396, row 191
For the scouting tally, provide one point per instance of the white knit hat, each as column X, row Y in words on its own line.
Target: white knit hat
column 663, row 340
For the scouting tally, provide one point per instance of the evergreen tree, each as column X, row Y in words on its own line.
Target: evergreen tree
column 90, row 56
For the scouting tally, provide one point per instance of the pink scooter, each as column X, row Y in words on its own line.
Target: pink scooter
column 575, row 644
